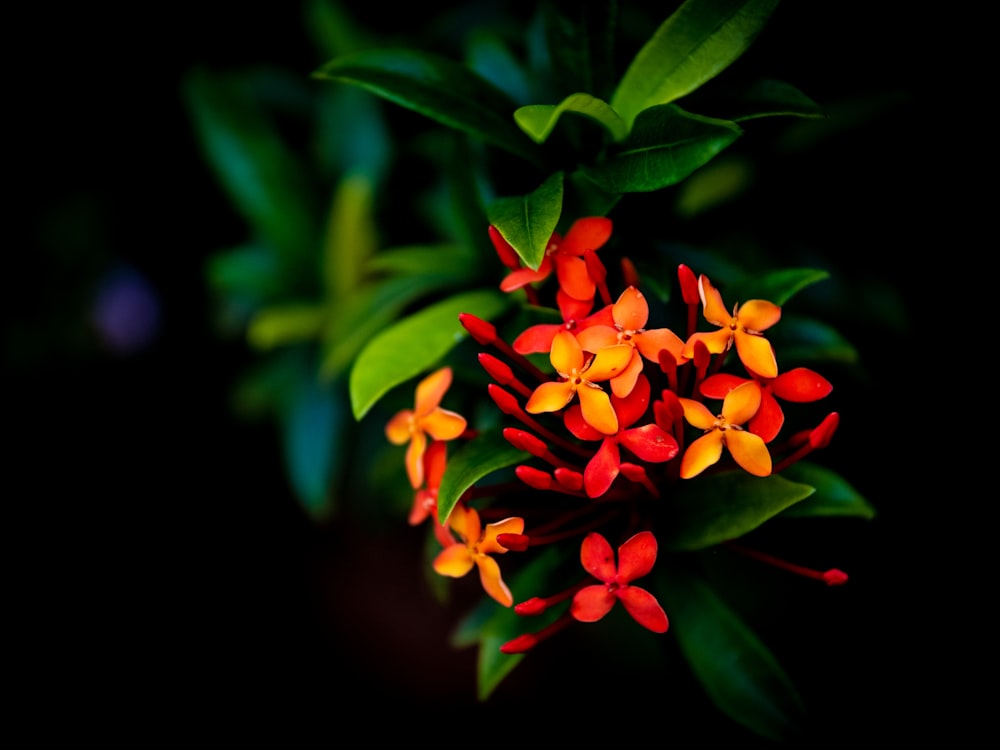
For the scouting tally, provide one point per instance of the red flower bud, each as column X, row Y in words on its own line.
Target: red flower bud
column 533, row 606
column 834, row 577
column 525, row 441
column 504, row 400
column 508, row 256
column 496, row 369
column 823, row 434
column 483, row 332
column 514, row 542
column 534, row 477
column 519, row 645
column 571, row 480
column 689, row 285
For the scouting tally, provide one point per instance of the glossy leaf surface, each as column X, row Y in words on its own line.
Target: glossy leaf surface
column 539, row 120
column 472, row 460
column 696, row 43
column 715, row 508
column 527, row 221
column 834, row 495
column 415, row 344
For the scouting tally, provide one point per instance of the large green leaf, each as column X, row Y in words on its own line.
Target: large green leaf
column 475, row 459
column 666, row 145
column 834, row 495
column 539, row 120
column 527, row 221
column 769, row 98
column 714, row 508
column 696, row 43
column 740, row 674
column 415, row 344
column 439, row 88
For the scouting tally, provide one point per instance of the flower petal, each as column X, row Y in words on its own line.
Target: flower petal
column 575, row 423
column 435, row 461
column 649, row 442
column 631, row 311
column 749, row 451
column 715, row 341
column 454, row 561
column 598, row 558
column 623, row 383
column 741, row 403
column 644, row 608
column 489, row 544
column 588, row 233
column 573, row 309
column 398, row 428
column 701, row 454
column 489, row 576
column 536, row 339
column 524, row 276
column 758, row 314
column 718, row 385
column 636, row 557
column 769, row 418
column 651, row 343
column 566, row 354
column 591, row 603
column 756, row 353
column 697, row 414
column 631, row 407
column 602, row 469
column 594, row 338
column 414, row 459
column 716, row 312
column 596, row 408
column 608, row 361
column 573, row 277
column 442, row 424
column 431, row 390
column 550, row 397
column 801, row 385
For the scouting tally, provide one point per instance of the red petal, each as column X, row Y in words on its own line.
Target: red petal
column 588, row 233
column 598, row 558
column 573, row 277
column 644, row 608
column 602, row 469
column 718, row 385
column 769, row 418
column 571, row 308
column 801, row 385
column 650, row 443
column 575, row 423
column 537, row 338
column 636, row 557
column 590, row 604
column 634, row 405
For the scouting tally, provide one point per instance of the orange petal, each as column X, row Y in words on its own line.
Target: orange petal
column 701, row 454
column 597, row 410
column 631, row 311
column 454, row 561
column 697, row 414
column 756, row 354
column 593, row 338
column 415, row 459
column 741, row 403
column 715, row 310
column 398, row 428
column 566, row 354
column 651, row 343
column 758, row 314
column 431, row 390
column 715, row 341
column 537, row 338
column 442, row 424
column 489, row 576
column 489, row 544
column 550, row 397
column 749, row 451
column 623, row 383
column 573, row 277
column 588, row 233
column 524, row 276
column 464, row 521
column 608, row 362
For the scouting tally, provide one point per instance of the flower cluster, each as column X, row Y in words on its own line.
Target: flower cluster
column 626, row 413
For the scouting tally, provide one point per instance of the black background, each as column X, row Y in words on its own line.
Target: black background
column 166, row 554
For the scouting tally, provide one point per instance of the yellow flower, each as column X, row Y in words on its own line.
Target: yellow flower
column 725, row 430
column 580, row 376
column 743, row 328
column 426, row 418
column 475, row 549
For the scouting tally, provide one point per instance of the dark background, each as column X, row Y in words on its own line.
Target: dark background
column 165, row 550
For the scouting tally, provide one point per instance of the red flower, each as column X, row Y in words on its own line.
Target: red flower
column 635, row 559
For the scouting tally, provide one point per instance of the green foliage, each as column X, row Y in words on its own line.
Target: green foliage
column 528, row 222
column 485, row 454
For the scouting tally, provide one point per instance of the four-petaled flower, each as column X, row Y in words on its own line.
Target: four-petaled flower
column 426, row 418
column 725, row 430
column 635, row 559
column 580, row 376
column 477, row 545
column 742, row 327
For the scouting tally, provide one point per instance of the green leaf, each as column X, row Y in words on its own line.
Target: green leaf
column 439, row 88
column 280, row 325
column 415, row 344
column 714, row 508
column 801, row 339
column 769, row 98
column 696, row 43
column 740, row 674
column 249, row 271
column 351, row 234
column 475, row 459
column 776, row 286
column 453, row 261
column 834, row 496
column 527, row 221
column 262, row 176
column 666, row 145
column 538, row 120
column 716, row 183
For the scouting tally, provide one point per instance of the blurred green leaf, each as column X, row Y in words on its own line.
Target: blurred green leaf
column 717, row 182
column 473, row 460
column 538, row 120
column 527, row 221
column 777, row 286
column 415, row 344
column 696, row 43
column 768, row 98
column 452, row 261
column 834, row 496
column 800, row 339
column 666, row 145
column 291, row 323
column 740, row 674
column 436, row 87
column 351, row 238
column 715, row 508
column 262, row 175
column 249, row 272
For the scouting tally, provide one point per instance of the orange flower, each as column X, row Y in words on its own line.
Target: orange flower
column 630, row 314
column 725, row 430
column 475, row 549
column 743, row 327
column 426, row 418
column 580, row 377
